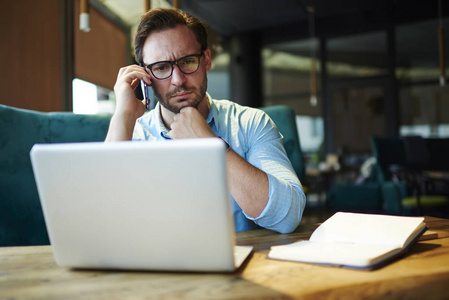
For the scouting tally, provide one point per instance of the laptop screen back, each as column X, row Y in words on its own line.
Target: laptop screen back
column 137, row 205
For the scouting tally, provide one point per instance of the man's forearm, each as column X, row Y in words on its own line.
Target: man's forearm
column 120, row 129
column 247, row 184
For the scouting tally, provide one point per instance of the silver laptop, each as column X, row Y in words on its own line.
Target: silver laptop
column 138, row 205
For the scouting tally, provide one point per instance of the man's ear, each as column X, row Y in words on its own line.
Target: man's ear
column 208, row 59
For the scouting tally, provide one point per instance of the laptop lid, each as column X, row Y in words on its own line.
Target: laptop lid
column 137, row 205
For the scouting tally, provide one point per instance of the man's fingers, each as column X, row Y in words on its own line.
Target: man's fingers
column 132, row 72
column 135, row 83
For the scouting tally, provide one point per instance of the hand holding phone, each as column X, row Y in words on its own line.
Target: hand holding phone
column 145, row 94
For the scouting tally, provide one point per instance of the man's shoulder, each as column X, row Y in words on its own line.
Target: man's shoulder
column 235, row 108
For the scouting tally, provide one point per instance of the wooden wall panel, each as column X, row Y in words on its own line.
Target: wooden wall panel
column 30, row 54
column 100, row 53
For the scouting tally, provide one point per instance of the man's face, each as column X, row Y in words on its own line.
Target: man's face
column 180, row 90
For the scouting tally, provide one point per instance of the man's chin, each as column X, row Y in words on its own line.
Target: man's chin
column 183, row 104
column 180, row 104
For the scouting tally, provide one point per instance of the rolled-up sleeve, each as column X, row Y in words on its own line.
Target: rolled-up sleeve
column 265, row 151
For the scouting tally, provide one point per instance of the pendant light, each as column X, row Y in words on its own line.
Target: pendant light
column 84, row 16
column 313, row 86
column 441, row 45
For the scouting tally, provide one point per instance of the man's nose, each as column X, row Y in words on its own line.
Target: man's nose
column 178, row 78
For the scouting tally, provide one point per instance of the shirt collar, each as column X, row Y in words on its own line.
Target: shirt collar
column 163, row 131
column 211, row 116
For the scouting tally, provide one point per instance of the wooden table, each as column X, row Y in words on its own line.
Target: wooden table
column 31, row 273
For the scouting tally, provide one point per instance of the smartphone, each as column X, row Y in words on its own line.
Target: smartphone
column 145, row 94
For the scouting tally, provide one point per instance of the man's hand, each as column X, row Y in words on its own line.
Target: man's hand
column 128, row 107
column 127, row 80
column 189, row 123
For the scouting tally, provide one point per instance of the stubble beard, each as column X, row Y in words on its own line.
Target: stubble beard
column 199, row 94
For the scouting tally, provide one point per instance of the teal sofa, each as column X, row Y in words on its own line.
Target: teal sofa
column 21, row 218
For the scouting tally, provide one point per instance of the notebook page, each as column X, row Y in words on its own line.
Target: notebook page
column 367, row 229
column 331, row 253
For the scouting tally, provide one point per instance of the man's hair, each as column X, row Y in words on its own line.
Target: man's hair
column 163, row 18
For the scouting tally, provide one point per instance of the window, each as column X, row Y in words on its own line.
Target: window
column 89, row 98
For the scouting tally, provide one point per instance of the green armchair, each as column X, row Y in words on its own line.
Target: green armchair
column 21, row 218
column 399, row 163
column 362, row 197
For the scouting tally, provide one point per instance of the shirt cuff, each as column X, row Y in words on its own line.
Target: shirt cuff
column 284, row 209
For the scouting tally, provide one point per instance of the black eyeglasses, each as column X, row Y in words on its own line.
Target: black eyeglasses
column 164, row 69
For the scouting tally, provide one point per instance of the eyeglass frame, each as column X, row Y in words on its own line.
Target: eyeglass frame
column 172, row 63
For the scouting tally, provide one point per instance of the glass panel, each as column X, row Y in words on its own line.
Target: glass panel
column 286, row 80
column 287, row 71
column 358, row 114
column 286, row 76
column 311, row 132
column 218, row 78
column 418, row 59
column 424, row 110
column 358, row 56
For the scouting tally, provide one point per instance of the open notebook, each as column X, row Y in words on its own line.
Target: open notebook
column 138, row 205
column 355, row 240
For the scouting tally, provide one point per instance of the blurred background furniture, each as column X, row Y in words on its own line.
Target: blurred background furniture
column 408, row 176
column 364, row 196
column 400, row 163
column 420, row 194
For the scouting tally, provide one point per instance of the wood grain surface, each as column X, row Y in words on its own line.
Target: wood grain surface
column 423, row 273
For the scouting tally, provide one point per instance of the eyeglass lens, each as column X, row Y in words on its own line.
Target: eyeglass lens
column 187, row 65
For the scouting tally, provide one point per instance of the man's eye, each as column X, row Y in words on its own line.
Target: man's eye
column 188, row 61
column 159, row 68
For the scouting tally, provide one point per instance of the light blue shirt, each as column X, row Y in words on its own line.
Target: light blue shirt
column 252, row 134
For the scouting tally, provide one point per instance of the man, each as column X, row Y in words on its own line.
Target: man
column 171, row 48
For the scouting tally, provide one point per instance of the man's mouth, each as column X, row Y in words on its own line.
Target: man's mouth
column 181, row 95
